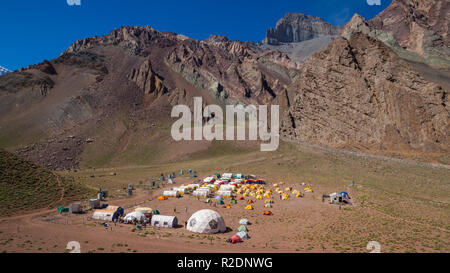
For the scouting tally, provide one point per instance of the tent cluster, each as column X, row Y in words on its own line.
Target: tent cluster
column 242, row 232
column 289, row 192
column 140, row 215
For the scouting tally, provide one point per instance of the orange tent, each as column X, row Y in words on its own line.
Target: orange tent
column 161, row 198
column 250, row 201
column 227, row 206
column 267, row 212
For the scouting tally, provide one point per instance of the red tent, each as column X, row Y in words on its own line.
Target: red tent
column 235, row 239
column 240, row 198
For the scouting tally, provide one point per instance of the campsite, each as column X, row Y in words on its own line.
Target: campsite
column 307, row 223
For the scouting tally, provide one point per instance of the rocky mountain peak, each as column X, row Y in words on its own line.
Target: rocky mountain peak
column 298, row 27
column 357, row 24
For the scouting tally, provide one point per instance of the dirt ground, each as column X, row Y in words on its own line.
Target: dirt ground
column 402, row 206
column 48, row 231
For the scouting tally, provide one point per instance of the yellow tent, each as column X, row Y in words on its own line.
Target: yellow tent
column 259, row 197
column 249, row 207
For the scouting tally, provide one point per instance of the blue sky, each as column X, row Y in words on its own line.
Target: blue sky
column 34, row 30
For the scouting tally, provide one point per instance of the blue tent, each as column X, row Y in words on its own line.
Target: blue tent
column 344, row 195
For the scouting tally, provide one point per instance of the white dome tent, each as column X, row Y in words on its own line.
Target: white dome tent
column 206, row 221
column 135, row 215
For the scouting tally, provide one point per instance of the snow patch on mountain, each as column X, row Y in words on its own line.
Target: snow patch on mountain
column 3, row 71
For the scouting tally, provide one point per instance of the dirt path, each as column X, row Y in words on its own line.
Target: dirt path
column 313, row 147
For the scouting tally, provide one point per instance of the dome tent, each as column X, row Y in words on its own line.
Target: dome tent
column 235, row 239
column 243, row 235
column 206, row 221
column 135, row 215
column 244, row 222
column 242, row 228
column 249, row 207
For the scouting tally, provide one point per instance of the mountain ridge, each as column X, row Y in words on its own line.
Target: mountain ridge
column 105, row 96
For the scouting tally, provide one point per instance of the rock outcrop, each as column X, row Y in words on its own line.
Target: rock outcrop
column 147, row 80
column 358, row 92
column 420, row 27
column 298, row 27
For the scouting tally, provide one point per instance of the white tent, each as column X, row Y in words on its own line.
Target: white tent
column 243, row 235
column 199, row 193
column 164, row 221
column 227, row 176
column 206, row 221
column 135, row 215
column 209, row 179
column 244, row 222
column 171, row 193
column 223, row 193
column 146, row 211
column 227, row 188
column 103, row 215
column 238, row 181
column 193, row 186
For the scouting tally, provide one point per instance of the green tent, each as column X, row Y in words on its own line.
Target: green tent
column 220, row 202
column 155, row 212
column 233, row 201
column 242, row 228
column 218, row 175
column 62, row 209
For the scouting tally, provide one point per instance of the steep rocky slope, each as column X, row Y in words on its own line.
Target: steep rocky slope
column 299, row 27
column 107, row 100
column 416, row 30
column 358, row 92
column 105, row 96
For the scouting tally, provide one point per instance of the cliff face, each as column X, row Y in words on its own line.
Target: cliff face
column 228, row 70
column 298, row 27
column 420, row 27
column 358, row 92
